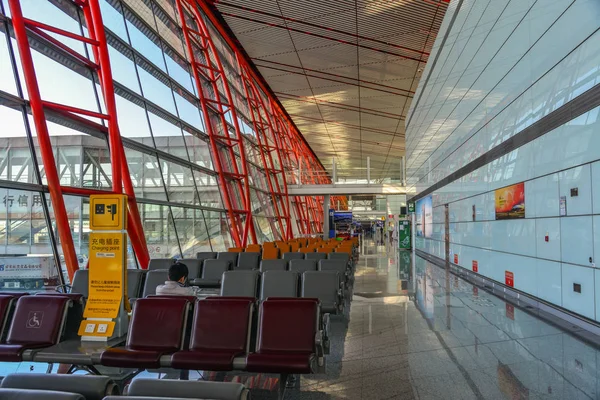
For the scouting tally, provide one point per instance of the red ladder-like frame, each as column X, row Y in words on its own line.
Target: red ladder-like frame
column 119, row 168
column 215, row 106
column 265, row 133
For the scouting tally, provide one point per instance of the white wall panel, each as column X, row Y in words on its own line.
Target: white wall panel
column 578, row 179
column 549, row 227
column 576, row 240
column 582, row 303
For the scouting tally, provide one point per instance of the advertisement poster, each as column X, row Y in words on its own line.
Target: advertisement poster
column 424, row 217
column 510, row 202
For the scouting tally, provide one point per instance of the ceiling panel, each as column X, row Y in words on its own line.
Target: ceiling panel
column 345, row 70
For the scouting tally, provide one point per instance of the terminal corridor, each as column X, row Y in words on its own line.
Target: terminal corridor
column 407, row 337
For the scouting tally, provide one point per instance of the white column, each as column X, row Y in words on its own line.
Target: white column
column 326, row 200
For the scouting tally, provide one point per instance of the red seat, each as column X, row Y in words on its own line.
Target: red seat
column 286, row 337
column 146, row 344
column 220, row 333
column 37, row 323
column 74, row 314
column 7, row 304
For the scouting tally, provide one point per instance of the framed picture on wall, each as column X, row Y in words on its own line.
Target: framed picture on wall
column 510, row 202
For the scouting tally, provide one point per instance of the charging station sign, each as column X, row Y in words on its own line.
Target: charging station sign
column 107, row 212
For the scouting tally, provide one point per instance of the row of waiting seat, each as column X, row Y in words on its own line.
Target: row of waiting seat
column 210, row 273
column 243, row 260
column 323, row 285
column 224, row 335
column 286, row 338
column 88, row 387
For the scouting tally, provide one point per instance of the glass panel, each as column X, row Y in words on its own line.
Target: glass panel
column 7, row 78
column 199, row 151
column 145, row 175
column 160, row 231
column 97, row 171
column 218, row 230
column 210, row 196
column 23, row 232
column 15, row 157
column 189, row 112
column 148, row 47
column 156, row 91
column 264, row 232
column 113, row 19
column 191, row 230
column 179, row 182
column 133, row 122
column 123, row 68
column 168, row 137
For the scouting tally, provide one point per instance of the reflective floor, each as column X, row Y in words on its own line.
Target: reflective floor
column 419, row 333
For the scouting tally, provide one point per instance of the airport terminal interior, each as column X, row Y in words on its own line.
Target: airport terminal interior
column 299, row 199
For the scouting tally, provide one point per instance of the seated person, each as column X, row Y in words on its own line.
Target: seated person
column 175, row 286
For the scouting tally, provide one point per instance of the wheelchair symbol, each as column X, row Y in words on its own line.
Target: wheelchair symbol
column 34, row 319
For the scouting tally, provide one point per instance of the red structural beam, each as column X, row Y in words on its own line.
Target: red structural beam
column 234, row 179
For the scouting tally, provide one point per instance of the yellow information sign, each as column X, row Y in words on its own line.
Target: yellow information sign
column 106, row 278
column 107, row 212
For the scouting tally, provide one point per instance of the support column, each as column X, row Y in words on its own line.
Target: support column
column 368, row 170
column 326, row 205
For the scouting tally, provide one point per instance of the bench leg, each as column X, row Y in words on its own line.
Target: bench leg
column 283, row 378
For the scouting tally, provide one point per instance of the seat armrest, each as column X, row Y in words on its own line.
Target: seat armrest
column 63, row 289
column 319, row 344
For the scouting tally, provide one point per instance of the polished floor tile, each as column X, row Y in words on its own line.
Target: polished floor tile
column 414, row 331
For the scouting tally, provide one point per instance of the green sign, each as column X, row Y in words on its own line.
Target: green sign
column 411, row 207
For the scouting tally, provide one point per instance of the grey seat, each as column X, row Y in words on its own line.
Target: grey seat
column 214, row 269
column 91, row 387
column 339, row 256
column 187, row 389
column 322, row 285
column 206, row 255
column 315, row 256
column 240, row 283
column 279, row 284
column 135, row 281
column 248, row 260
column 194, row 267
column 301, row 266
column 24, row 394
column 293, row 256
column 227, row 256
column 338, row 266
column 160, row 263
column 153, row 279
column 80, row 282
column 273, row 265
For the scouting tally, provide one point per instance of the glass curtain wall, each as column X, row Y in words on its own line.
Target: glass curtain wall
column 160, row 121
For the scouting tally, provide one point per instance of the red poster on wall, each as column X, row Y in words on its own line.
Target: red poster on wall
column 509, row 278
column 455, row 258
column 475, row 266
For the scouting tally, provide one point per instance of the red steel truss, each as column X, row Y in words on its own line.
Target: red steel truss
column 268, row 144
column 101, row 64
column 222, row 125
